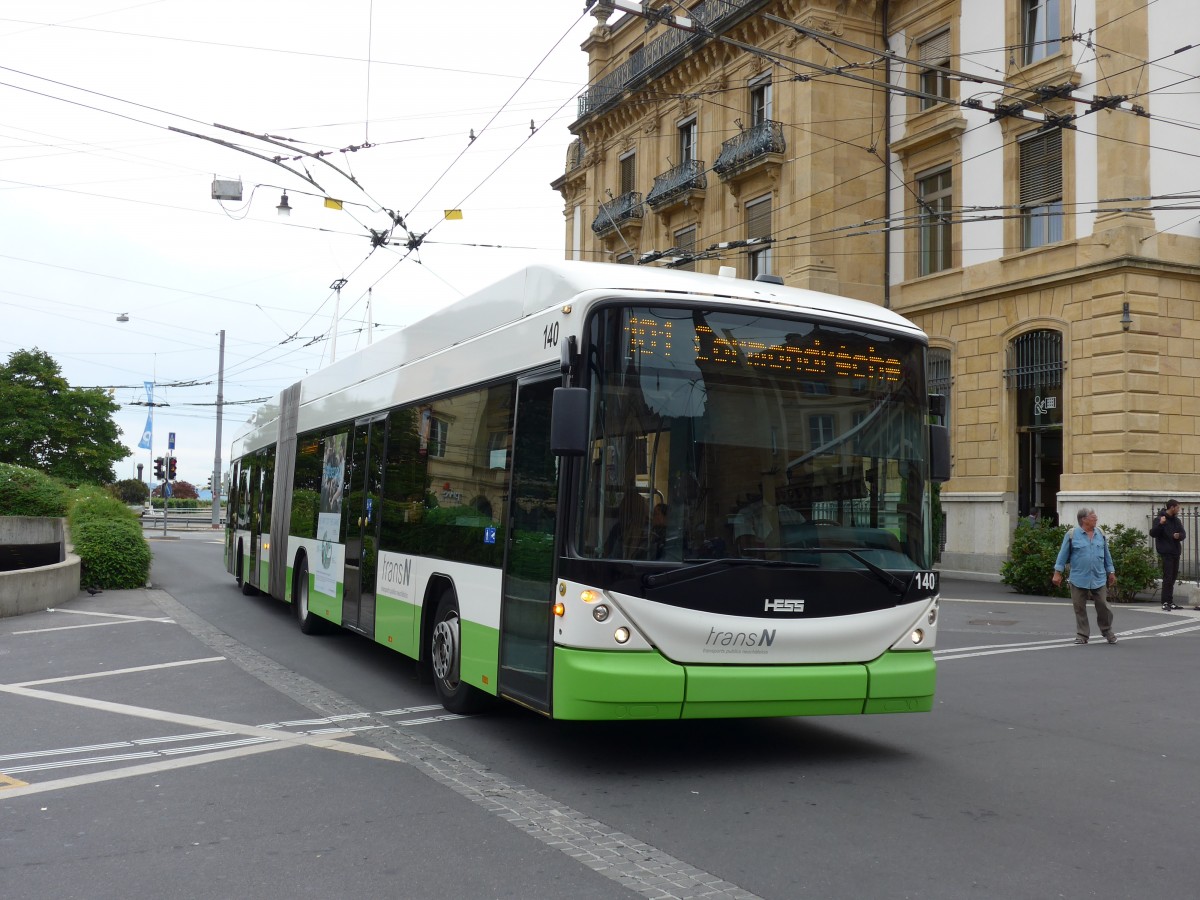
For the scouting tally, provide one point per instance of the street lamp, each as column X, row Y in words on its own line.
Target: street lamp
column 283, row 209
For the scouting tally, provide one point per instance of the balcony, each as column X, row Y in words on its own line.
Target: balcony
column 680, row 184
column 758, row 145
column 623, row 210
column 662, row 52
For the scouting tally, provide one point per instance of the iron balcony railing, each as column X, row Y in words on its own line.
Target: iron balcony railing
column 709, row 16
column 741, row 152
column 670, row 186
column 617, row 212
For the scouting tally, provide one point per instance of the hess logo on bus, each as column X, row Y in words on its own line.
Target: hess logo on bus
column 784, row 606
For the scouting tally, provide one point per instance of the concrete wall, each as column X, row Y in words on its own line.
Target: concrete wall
column 33, row 530
column 31, row 590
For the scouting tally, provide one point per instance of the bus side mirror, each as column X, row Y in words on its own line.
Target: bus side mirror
column 569, row 421
column 939, row 453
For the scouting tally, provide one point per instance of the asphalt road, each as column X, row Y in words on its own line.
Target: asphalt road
column 186, row 741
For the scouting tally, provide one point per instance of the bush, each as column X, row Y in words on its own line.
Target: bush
column 89, row 504
column 113, row 553
column 1136, row 565
column 1030, row 562
column 27, row 492
column 1035, row 548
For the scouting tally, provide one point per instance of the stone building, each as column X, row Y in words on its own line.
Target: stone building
column 1010, row 175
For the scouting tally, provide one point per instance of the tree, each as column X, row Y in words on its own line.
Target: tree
column 46, row 424
column 183, row 490
column 130, row 490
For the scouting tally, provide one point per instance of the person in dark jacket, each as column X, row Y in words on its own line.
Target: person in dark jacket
column 1168, row 535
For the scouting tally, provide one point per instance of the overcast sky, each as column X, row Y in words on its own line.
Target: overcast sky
column 104, row 211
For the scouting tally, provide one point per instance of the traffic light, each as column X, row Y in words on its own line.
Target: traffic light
column 158, row 468
column 171, row 469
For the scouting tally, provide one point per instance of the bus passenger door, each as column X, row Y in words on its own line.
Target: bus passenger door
column 362, row 511
column 526, row 624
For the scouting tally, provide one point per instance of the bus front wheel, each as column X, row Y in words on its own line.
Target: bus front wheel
column 445, row 656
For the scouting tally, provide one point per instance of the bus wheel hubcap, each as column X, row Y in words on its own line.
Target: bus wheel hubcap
column 445, row 650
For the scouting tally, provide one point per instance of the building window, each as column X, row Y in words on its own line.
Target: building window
column 758, row 225
column 439, row 430
column 935, row 193
column 760, row 101
column 628, row 172
column 1041, row 27
column 820, row 430
column 685, row 243
column 1041, row 189
column 934, row 51
column 687, row 141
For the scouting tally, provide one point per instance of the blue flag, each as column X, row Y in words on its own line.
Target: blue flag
column 145, row 442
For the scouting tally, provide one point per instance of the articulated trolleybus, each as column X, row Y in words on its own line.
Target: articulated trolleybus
column 610, row 492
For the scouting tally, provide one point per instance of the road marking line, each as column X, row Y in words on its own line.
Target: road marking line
column 159, row 715
column 84, row 677
column 8, row 784
column 135, row 771
column 93, row 625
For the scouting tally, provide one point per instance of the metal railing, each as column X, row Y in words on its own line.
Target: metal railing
column 184, row 519
column 710, row 16
column 1189, row 560
column 617, row 211
column 685, row 177
column 740, row 152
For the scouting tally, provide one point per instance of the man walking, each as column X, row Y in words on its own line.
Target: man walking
column 1168, row 535
column 1092, row 573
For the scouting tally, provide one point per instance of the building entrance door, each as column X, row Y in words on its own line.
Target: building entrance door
column 1039, row 471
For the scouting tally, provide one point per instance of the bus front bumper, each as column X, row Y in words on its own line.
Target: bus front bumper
column 594, row 684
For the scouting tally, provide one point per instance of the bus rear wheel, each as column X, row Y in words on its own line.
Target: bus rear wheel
column 445, row 656
column 310, row 623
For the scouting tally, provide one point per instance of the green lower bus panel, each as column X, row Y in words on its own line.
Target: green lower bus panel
column 480, row 650
column 591, row 684
column 902, row 682
column 596, row 684
column 720, row 692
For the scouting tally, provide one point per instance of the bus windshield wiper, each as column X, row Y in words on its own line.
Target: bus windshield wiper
column 683, row 573
column 890, row 581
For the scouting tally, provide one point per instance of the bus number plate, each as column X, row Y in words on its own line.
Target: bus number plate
column 927, row 581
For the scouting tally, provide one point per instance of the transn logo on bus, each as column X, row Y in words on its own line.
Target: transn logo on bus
column 792, row 606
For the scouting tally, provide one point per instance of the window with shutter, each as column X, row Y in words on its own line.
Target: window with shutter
column 685, row 242
column 934, row 51
column 628, row 172
column 1041, row 188
column 758, row 225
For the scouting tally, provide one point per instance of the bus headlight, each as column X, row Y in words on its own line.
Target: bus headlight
column 933, row 611
column 600, row 613
column 918, row 636
column 621, row 635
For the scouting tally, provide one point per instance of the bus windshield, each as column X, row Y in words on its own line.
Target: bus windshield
column 727, row 434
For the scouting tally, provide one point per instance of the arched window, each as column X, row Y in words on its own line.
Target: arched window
column 1035, row 371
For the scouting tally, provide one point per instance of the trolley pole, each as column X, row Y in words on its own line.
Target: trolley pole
column 216, row 475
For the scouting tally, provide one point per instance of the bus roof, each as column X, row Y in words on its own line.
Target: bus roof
column 535, row 288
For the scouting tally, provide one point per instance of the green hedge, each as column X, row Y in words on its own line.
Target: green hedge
column 1035, row 548
column 113, row 553
column 27, row 492
column 89, row 504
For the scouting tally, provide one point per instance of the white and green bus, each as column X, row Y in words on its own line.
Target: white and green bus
column 615, row 492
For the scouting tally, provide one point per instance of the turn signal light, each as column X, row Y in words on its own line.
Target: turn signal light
column 559, row 608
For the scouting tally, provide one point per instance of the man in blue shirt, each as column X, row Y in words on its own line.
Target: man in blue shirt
column 1092, row 573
